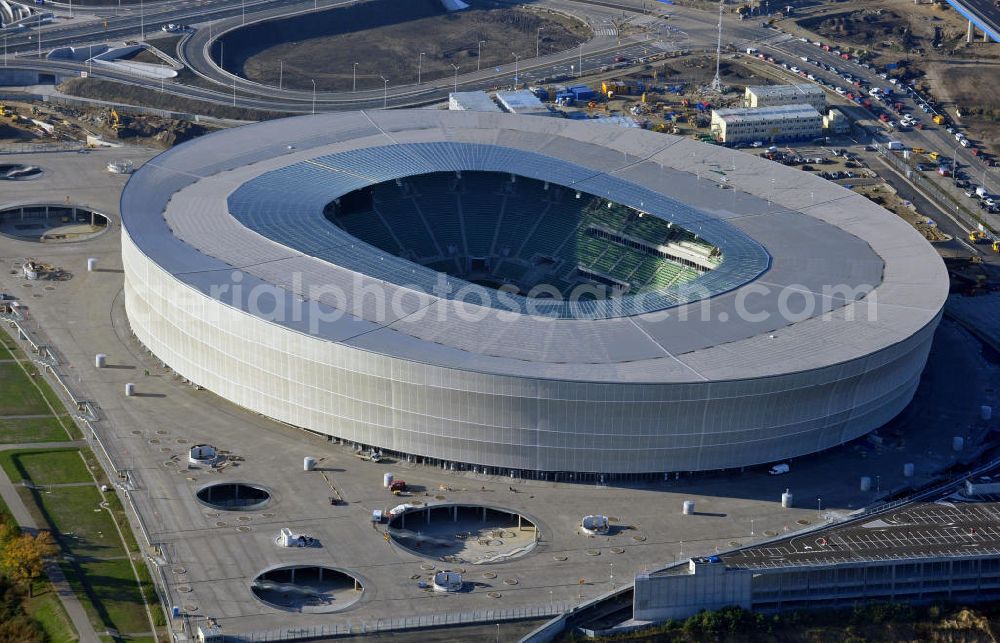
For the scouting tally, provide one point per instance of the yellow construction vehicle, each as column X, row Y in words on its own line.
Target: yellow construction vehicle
column 938, row 119
column 116, row 121
column 977, row 237
column 996, row 246
column 932, row 156
column 918, row 150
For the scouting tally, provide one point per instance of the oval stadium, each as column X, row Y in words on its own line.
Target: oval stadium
column 527, row 295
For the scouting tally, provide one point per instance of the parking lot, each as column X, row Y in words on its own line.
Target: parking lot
column 950, row 526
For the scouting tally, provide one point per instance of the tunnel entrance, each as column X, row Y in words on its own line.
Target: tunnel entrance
column 52, row 223
column 234, row 496
column 307, row 588
column 472, row 534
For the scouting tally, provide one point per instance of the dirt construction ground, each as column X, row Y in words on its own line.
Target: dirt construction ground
column 964, row 86
column 386, row 38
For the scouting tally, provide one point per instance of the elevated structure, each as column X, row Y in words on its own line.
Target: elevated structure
column 811, row 330
column 767, row 124
column 522, row 101
column 471, row 102
column 773, row 95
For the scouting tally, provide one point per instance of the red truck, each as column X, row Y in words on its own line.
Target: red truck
column 397, row 487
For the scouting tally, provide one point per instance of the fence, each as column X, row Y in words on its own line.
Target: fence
column 944, row 199
column 49, row 361
column 424, row 621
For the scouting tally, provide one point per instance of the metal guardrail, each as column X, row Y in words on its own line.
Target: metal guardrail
column 52, row 365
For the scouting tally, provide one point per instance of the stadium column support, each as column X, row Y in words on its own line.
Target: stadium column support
column 454, row 513
column 971, row 31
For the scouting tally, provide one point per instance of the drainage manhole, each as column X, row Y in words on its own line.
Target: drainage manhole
column 267, row 515
column 154, row 440
column 164, row 449
column 639, row 539
column 170, row 463
column 244, row 518
column 439, row 497
column 489, row 575
column 802, row 521
column 160, row 432
column 560, row 558
column 50, row 288
column 770, row 532
column 243, row 529
column 221, row 523
column 234, row 496
column 184, row 589
column 180, row 441
column 136, row 432
column 733, row 543
column 494, row 594
column 427, row 567
column 177, row 569
column 212, row 514
column 617, row 550
column 593, row 552
column 190, row 608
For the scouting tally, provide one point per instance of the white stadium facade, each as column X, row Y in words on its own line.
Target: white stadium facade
column 411, row 281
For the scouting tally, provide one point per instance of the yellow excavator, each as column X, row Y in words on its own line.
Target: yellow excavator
column 116, row 121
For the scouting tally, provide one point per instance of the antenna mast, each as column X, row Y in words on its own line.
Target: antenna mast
column 717, row 81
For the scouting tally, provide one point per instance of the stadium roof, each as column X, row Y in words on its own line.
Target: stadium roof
column 827, row 245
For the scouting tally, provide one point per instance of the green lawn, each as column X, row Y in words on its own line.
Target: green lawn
column 114, row 596
column 18, row 394
column 45, row 466
column 17, row 431
column 49, row 612
column 76, row 511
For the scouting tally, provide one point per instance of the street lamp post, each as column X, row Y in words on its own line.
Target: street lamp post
column 243, row 11
column 456, row 75
column 313, row 81
column 142, row 21
column 517, row 58
column 385, row 92
column 819, row 507
column 420, row 65
column 281, row 73
column 580, row 70
column 479, row 55
column 354, row 79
